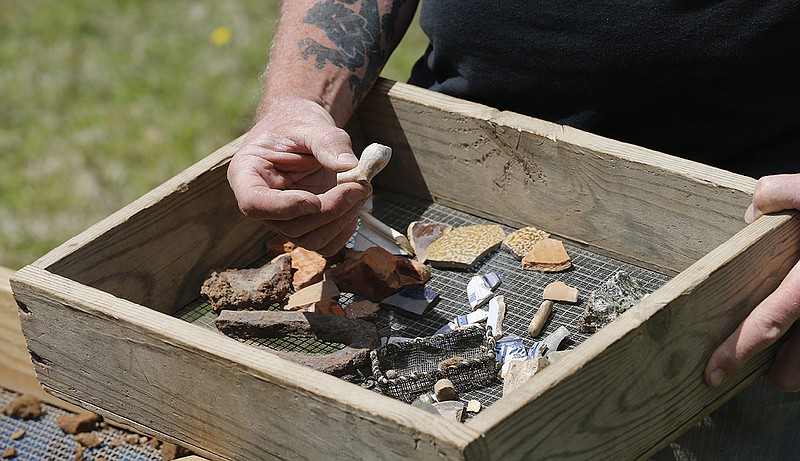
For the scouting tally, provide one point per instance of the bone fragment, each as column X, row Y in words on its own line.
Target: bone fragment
column 373, row 159
column 538, row 320
column 444, row 390
column 358, row 336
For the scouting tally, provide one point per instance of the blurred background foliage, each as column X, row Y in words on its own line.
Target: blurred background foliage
column 102, row 101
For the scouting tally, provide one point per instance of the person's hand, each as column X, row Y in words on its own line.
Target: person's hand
column 776, row 314
column 284, row 175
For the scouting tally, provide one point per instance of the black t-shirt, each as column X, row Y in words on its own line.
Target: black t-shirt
column 713, row 81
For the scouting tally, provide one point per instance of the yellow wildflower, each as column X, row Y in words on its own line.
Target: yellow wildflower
column 220, row 36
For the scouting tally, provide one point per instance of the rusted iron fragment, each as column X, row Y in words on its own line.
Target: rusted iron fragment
column 249, row 288
column 358, row 336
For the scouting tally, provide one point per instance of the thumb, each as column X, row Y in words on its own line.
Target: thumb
column 332, row 148
column 774, row 193
column 769, row 321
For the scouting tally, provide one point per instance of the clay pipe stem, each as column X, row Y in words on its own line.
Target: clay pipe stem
column 378, row 226
column 538, row 320
column 373, row 159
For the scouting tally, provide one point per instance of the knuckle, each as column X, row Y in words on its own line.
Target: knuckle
column 335, row 136
column 769, row 328
column 248, row 207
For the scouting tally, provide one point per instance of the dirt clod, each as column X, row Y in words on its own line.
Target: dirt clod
column 82, row 422
column 24, row 406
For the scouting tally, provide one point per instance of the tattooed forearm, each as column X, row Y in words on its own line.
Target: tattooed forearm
column 359, row 39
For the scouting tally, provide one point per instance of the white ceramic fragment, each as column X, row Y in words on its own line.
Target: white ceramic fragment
column 397, row 339
column 497, row 312
column 553, row 340
column 549, row 345
column 509, row 347
column 520, row 371
column 473, row 406
column 479, row 315
column 479, row 288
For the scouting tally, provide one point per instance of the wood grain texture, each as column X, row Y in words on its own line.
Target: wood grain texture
column 638, row 384
column 16, row 368
column 158, row 250
column 222, row 398
column 626, row 201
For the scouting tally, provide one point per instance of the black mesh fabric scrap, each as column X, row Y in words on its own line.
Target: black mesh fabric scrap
column 405, row 370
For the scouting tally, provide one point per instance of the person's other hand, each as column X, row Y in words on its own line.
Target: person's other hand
column 284, row 175
column 775, row 316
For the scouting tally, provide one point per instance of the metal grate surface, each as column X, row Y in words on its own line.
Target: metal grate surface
column 522, row 289
column 43, row 440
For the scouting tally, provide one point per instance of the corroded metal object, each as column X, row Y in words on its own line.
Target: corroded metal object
column 358, row 336
column 249, row 288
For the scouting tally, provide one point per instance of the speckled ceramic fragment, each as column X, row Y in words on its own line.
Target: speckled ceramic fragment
column 464, row 246
column 521, row 242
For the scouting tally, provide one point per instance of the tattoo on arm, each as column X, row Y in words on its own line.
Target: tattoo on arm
column 357, row 38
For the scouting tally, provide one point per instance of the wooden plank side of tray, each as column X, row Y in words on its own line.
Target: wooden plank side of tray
column 157, row 251
column 16, row 368
column 637, row 384
column 626, row 201
column 226, row 399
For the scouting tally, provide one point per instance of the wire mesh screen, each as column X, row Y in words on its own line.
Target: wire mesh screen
column 43, row 440
column 521, row 289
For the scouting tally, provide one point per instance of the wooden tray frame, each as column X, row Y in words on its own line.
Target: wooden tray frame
column 95, row 310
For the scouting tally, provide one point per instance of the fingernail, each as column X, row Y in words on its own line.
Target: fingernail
column 347, row 160
column 354, row 196
column 308, row 207
column 716, row 377
column 751, row 214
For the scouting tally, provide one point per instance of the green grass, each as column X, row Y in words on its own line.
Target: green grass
column 102, row 101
